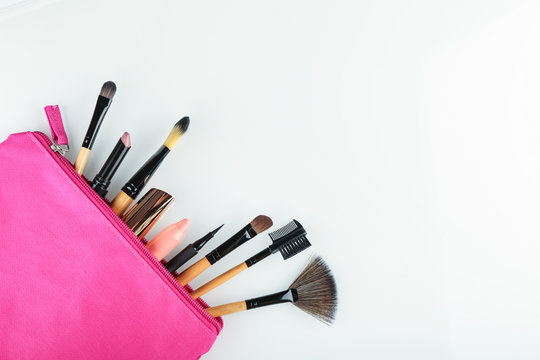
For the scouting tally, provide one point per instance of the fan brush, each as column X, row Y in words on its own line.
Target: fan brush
column 314, row 291
column 288, row 240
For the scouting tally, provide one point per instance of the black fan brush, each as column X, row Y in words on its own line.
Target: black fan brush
column 289, row 240
column 314, row 291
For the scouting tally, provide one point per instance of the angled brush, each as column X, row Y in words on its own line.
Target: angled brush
column 137, row 182
column 102, row 105
column 288, row 240
column 256, row 226
column 314, row 291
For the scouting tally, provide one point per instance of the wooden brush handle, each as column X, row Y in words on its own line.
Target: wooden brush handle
column 193, row 271
column 120, row 203
column 214, row 283
column 226, row 309
column 81, row 160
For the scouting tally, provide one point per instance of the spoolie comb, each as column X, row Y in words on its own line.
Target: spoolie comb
column 288, row 240
column 313, row 291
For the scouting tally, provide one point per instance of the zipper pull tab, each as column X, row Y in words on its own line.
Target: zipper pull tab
column 59, row 137
column 61, row 149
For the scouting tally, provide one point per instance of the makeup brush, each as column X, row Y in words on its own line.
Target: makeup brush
column 256, row 226
column 104, row 100
column 103, row 178
column 314, row 291
column 288, row 240
column 189, row 251
column 137, row 182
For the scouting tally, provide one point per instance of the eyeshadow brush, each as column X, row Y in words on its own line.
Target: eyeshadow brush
column 313, row 291
column 288, row 240
column 256, row 226
column 104, row 100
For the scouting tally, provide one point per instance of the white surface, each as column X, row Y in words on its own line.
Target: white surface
column 403, row 135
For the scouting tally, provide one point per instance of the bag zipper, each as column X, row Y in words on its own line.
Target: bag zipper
column 57, row 152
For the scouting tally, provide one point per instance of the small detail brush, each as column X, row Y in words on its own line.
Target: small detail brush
column 314, row 291
column 189, row 252
column 102, row 105
column 103, row 178
column 256, row 226
column 288, row 240
column 137, row 182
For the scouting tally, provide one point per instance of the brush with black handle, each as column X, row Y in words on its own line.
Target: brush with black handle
column 288, row 240
column 256, row 226
column 104, row 100
column 133, row 187
column 314, row 291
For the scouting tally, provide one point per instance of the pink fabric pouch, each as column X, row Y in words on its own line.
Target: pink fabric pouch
column 75, row 282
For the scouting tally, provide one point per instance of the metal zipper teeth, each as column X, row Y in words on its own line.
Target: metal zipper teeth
column 107, row 212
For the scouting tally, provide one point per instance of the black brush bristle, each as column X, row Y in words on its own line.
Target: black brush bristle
column 294, row 246
column 289, row 239
column 316, row 290
column 183, row 124
column 108, row 90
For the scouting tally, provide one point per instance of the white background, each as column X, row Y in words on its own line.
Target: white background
column 403, row 135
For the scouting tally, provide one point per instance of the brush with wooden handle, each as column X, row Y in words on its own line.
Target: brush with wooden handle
column 102, row 105
column 256, row 226
column 288, row 240
column 134, row 186
column 314, row 291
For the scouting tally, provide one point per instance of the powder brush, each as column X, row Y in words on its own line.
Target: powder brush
column 314, row 292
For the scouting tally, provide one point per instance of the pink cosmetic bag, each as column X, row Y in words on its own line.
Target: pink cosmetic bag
column 75, row 282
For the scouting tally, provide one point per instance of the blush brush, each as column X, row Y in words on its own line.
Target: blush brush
column 248, row 232
column 288, row 240
column 314, row 292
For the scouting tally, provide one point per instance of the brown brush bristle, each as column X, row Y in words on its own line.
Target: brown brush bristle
column 317, row 293
column 261, row 223
column 108, row 90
